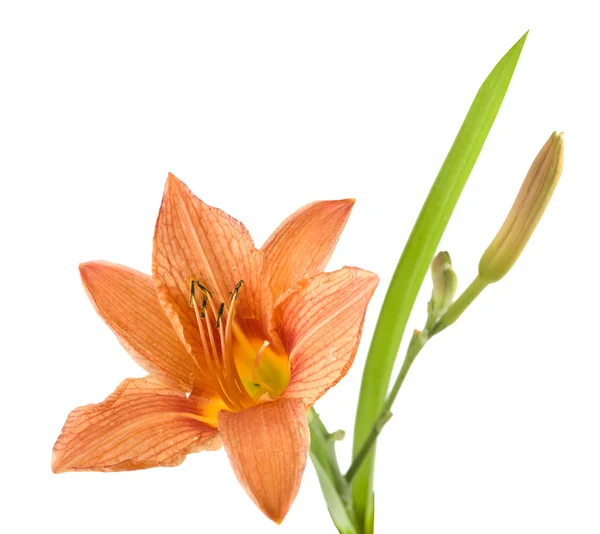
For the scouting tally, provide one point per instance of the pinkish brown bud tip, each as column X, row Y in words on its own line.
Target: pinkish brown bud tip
column 527, row 210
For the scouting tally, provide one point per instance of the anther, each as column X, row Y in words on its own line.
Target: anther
column 192, row 294
column 203, row 289
column 236, row 290
column 220, row 314
column 203, row 311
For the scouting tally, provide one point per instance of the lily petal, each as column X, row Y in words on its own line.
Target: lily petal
column 302, row 244
column 194, row 241
column 321, row 327
column 142, row 424
column 267, row 446
column 126, row 300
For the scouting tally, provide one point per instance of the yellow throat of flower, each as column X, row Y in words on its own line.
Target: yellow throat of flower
column 243, row 370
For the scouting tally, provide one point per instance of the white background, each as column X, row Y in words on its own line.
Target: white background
column 261, row 108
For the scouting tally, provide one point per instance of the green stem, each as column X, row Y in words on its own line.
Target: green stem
column 459, row 306
column 416, row 344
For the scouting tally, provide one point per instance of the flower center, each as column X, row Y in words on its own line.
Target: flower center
column 242, row 369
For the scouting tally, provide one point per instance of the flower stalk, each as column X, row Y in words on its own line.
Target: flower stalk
column 497, row 260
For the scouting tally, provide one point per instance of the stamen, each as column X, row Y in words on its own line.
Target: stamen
column 199, row 370
column 212, row 366
column 234, row 296
column 213, row 345
column 204, row 289
column 219, row 360
column 220, row 315
column 236, row 290
column 192, row 294
column 229, row 359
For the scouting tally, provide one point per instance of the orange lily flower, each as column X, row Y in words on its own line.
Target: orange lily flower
column 238, row 343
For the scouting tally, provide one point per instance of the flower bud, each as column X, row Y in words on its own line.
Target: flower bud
column 527, row 210
column 445, row 284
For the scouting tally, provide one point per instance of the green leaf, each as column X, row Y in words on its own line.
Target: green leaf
column 414, row 263
column 335, row 504
column 333, row 485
